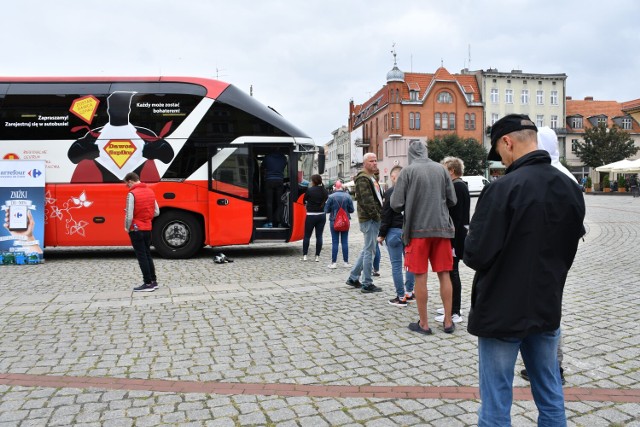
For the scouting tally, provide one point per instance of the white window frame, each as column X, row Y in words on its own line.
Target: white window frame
column 494, row 118
column 554, row 97
column 539, row 120
column 495, row 96
column 524, row 96
column 508, row 96
column 554, row 122
column 540, row 97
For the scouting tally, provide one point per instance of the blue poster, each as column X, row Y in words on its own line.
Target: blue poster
column 22, row 203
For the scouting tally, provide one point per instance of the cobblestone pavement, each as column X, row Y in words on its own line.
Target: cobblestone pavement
column 271, row 340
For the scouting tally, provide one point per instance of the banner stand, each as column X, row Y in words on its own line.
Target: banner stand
column 23, row 208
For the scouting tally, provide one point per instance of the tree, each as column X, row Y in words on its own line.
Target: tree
column 603, row 145
column 469, row 150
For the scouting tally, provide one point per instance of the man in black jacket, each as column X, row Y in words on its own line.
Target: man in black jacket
column 522, row 241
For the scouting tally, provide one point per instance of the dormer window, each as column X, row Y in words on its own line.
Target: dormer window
column 626, row 123
column 413, row 95
column 444, row 98
column 575, row 122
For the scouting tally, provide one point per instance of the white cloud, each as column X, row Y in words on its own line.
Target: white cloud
column 308, row 59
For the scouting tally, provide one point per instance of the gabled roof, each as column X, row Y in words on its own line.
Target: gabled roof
column 422, row 82
column 588, row 108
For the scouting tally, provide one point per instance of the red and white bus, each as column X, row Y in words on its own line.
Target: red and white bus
column 198, row 143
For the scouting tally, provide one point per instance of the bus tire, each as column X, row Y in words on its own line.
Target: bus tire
column 177, row 235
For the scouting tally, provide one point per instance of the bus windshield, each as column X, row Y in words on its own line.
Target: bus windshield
column 305, row 167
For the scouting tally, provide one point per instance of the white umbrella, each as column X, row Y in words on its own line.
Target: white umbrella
column 615, row 166
column 632, row 167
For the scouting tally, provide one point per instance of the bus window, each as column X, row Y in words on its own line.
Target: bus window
column 232, row 176
column 305, row 167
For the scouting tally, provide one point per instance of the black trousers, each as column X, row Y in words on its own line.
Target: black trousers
column 457, row 286
column 272, row 194
column 141, row 242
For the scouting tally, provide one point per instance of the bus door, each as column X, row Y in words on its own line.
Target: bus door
column 230, row 205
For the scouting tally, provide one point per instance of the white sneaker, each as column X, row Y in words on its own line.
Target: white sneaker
column 332, row 265
column 304, row 258
column 347, row 265
column 455, row 318
column 317, row 258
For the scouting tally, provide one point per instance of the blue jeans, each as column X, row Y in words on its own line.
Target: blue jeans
column 364, row 264
column 339, row 238
column 376, row 259
column 497, row 362
column 395, row 247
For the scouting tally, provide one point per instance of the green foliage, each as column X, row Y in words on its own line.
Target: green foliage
column 603, row 145
column 621, row 181
column 589, row 182
column 472, row 153
column 605, row 182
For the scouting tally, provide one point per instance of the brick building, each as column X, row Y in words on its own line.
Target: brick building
column 416, row 106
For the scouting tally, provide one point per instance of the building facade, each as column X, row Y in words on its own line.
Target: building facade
column 589, row 113
column 540, row 96
column 416, row 106
column 338, row 157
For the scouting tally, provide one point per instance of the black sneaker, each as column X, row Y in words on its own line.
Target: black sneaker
column 375, row 274
column 353, row 283
column 398, row 302
column 147, row 287
column 370, row 289
column 154, row 284
column 411, row 298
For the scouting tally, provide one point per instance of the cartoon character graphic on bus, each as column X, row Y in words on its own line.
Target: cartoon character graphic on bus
column 108, row 153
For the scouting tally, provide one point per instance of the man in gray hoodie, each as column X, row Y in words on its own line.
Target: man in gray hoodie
column 424, row 191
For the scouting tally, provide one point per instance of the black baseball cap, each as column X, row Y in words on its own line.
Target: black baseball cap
column 506, row 125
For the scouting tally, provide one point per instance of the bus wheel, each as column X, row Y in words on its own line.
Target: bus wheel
column 177, row 235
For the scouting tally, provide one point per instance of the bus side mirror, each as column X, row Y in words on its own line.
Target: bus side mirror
column 320, row 160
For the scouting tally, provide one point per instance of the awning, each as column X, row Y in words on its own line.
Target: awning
column 615, row 166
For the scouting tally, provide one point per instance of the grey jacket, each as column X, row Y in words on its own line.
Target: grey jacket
column 424, row 192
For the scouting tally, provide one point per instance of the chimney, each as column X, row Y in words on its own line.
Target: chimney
column 569, row 98
column 588, row 98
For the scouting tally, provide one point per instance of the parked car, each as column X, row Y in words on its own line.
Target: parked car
column 475, row 183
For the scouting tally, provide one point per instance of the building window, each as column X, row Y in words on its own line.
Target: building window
column 386, row 122
column 576, row 122
column 411, row 119
column 539, row 120
column 418, row 121
column 398, row 121
column 393, row 123
column 494, row 118
column 524, row 96
column 574, row 145
column 508, row 96
column 554, row 98
column 602, row 121
column 437, row 121
column 452, row 121
column 444, row 98
column 445, row 121
column 626, row 123
column 413, row 95
column 472, row 122
column 540, row 97
column 494, row 96
column 554, row 122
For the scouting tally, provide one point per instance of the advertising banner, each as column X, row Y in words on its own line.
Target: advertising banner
column 22, row 206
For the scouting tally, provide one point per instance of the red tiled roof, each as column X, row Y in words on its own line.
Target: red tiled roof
column 629, row 106
column 588, row 109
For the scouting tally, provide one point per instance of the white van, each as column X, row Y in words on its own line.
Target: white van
column 475, row 183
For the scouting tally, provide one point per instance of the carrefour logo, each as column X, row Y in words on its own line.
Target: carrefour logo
column 34, row 173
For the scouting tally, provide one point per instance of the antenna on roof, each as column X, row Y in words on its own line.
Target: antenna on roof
column 469, row 62
column 393, row 51
column 442, row 62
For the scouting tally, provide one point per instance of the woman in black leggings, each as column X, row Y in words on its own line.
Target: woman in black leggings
column 314, row 200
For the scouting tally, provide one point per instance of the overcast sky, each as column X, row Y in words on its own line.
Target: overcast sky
column 308, row 58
